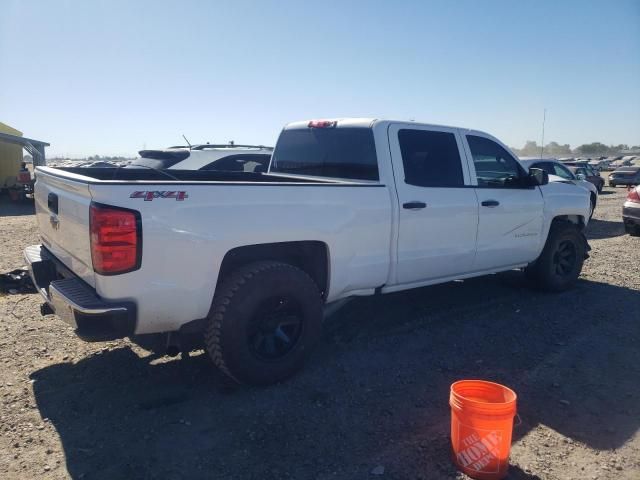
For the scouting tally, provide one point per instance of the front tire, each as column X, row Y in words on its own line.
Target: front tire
column 265, row 319
column 561, row 260
column 593, row 206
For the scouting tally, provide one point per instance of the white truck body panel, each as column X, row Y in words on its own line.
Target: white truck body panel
column 373, row 242
column 185, row 242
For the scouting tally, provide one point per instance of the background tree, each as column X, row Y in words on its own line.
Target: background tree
column 555, row 149
column 592, row 149
column 530, row 149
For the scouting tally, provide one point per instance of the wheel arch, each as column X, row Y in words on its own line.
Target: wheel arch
column 575, row 219
column 311, row 256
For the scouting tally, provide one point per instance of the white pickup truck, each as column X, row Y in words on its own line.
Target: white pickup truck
column 249, row 260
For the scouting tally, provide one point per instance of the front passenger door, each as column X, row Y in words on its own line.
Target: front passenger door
column 511, row 212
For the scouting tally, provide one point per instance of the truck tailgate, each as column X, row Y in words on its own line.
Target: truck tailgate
column 62, row 212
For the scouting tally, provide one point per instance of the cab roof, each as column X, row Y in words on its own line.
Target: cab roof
column 362, row 122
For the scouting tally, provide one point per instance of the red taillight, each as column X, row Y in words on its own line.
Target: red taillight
column 633, row 196
column 322, row 124
column 116, row 242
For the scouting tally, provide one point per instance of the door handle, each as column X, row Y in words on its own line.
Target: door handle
column 414, row 205
column 490, row 203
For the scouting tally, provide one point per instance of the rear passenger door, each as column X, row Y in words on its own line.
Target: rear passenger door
column 438, row 213
column 511, row 212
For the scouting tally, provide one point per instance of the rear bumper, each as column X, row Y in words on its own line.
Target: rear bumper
column 75, row 302
column 631, row 216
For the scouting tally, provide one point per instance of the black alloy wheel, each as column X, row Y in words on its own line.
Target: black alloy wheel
column 564, row 258
column 275, row 328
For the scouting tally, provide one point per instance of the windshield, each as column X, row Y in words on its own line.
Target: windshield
column 327, row 152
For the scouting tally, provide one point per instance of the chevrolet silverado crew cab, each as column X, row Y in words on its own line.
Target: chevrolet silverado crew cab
column 249, row 259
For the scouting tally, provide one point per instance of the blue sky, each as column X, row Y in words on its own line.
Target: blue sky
column 111, row 77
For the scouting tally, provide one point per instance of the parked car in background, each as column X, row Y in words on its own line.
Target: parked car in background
column 560, row 170
column 600, row 164
column 585, row 172
column 623, row 162
column 609, row 165
column 625, row 176
column 631, row 212
column 585, row 165
column 226, row 158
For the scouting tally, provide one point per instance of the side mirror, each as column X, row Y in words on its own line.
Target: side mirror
column 538, row 177
column 580, row 176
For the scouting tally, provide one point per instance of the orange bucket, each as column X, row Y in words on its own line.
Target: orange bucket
column 481, row 425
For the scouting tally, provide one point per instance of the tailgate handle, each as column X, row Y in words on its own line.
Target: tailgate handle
column 52, row 202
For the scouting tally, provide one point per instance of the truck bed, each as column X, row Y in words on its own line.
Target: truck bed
column 189, row 223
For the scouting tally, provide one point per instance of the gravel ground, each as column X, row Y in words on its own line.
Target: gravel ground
column 371, row 403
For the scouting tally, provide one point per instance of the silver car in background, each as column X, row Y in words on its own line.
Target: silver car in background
column 555, row 167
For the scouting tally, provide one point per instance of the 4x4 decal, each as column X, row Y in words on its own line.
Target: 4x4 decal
column 149, row 195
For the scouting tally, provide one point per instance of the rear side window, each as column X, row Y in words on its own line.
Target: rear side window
column 562, row 171
column 240, row 163
column 554, row 169
column 327, row 152
column 160, row 159
column 430, row 159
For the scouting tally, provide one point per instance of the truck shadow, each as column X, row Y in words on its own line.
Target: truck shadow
column 374, row 393
column 10, row 208
column 599, row 229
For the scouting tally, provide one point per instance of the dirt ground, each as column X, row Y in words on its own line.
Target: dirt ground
column 372, row 401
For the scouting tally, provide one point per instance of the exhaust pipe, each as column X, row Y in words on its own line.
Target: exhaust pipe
column 45, row 309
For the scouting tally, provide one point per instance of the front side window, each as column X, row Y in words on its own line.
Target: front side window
column 327, row 152
column 430, row 159
column 495, row 167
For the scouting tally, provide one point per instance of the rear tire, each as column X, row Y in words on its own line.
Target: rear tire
column 265, row 319
column 560, row 263
column 593, row 206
